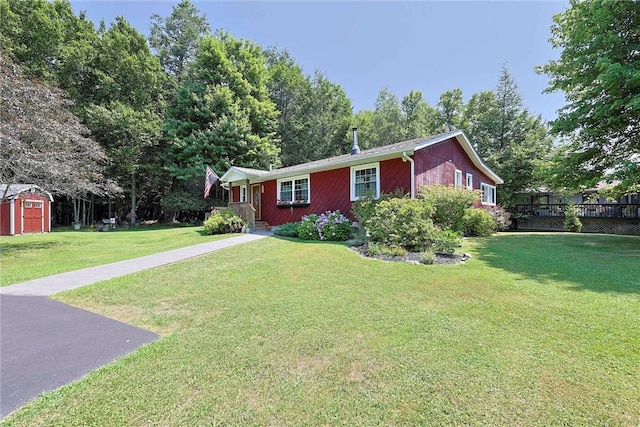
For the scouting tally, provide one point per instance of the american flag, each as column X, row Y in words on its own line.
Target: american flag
column 210, row 178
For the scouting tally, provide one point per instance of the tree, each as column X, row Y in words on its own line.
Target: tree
column 387, row 119
column 451, row 106
column 43, row 143
column 420, row 119
column 222, row 114
column 599, row 72
column 293, row 95
column 330, row 119
column 175, row 38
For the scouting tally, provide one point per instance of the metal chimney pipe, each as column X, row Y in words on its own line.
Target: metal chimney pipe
column 355, row 149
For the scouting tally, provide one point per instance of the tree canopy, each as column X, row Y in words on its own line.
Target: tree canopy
column 43, row 143
column 599, row 73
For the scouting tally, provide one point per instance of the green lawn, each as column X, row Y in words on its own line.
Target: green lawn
column 38, row 255
column 534, row 330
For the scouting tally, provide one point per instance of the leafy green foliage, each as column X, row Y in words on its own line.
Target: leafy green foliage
column 402, row 222
column 449, row 204
column 175, row 38
column 446, row 241
column 222, row 115
column 288, row 229
column 364, row 209
column 222, row 222
column 428, row 258
column 478, row 222
column 571, row 221
column 598, row 72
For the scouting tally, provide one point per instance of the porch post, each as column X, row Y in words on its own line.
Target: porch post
column 247, row 207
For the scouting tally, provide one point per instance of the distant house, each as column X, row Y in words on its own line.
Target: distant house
column 25, row 208
column 287, row 194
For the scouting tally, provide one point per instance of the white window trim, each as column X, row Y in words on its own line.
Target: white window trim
column 293, row 186
column 243, row 194
column 469, row 181
column 457, row 178
column 352, row 179
column 484, row 187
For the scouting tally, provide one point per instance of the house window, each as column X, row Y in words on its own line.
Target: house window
column 488, row 194
column 365, row 180
column 243, row 193
column 469, row 181
column 294, row 190
column 458, row 178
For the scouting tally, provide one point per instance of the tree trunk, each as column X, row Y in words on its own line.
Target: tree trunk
column 133, row 199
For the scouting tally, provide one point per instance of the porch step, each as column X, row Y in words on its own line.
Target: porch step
column 262, row 226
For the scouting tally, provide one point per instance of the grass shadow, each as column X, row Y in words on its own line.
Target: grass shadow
column 595, row 262
column 13, row 250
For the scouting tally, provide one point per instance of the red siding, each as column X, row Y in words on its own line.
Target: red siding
column 329, row 192
column 437, row 163
column 26, row 219
column 395, row 175
column 5, row 219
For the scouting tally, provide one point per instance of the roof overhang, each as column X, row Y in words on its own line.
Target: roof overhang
column 394, row 151
column 16, row 190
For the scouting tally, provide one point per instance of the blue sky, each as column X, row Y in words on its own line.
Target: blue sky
column 365, row 46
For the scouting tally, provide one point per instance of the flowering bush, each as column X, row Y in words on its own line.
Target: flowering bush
column 221, row 222
column 327, row 226
column 308, row 229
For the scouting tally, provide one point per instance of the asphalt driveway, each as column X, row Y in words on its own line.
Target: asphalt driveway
column 45, row 344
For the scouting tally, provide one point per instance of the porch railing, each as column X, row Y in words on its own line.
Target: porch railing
column 245, row 211
column 585, row 210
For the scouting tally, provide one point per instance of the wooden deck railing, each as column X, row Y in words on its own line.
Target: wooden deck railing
column 245, row 211
column 585, row 210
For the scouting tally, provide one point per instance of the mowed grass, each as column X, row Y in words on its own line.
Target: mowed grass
column 534, row 330
column 38, row 255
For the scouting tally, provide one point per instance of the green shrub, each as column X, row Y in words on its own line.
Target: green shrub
column 363, row 209
column 449, row 204
column 478, row 222
column 377, row 249
column 428, row 258
column 402, row 222
column 374, row 249
column 222, row 222
column 289, row 229
column 571, row 221
column 307, row 229
column 393, row 250
column 446, row 241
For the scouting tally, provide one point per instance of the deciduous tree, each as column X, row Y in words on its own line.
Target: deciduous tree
column 599, row 73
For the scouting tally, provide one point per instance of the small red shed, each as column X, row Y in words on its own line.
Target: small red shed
column 25, row 208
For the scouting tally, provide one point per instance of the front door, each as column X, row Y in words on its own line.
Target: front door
column 255, row 200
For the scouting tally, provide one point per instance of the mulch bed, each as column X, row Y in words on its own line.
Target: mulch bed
column 413, row 257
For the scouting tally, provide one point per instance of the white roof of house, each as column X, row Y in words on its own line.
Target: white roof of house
column 235, row 173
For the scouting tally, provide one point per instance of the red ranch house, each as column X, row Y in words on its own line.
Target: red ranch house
column 286, row 194
column 25, row 208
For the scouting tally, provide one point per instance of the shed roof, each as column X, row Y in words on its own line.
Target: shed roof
column 12, row 191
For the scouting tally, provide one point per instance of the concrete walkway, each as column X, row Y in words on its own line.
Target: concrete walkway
column 51, row 285
column 45, row 344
